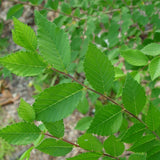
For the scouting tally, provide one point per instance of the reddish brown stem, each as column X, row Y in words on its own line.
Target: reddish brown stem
column 76, row 145
column 108, row 98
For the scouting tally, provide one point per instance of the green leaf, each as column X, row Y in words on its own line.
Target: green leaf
column 113, row 33
column 53, row 4
column 133, row 133
column 65, row 7
column 55, row 128
column 137, row 156
column 154, row 68
column 56, row 103
column 134, row 57
column 133, row 96
column 24, row 63
column 83, row 105
column 154, row 153
column 55, row 147
column 26, row 111
column 153, row 49
column 84, row 123
column 90, row 143
column 15, row 11
column 107, row 120
column 86, row 156
column 24, row 35
column 26, row 154
column 20, row 133
column 36, row 2
column 144, row 144
column 153, row 118
column 113, row 146
column 53, row 43
column 98, row 69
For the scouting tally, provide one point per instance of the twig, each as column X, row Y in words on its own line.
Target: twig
column 108, row 98
column 76, row 145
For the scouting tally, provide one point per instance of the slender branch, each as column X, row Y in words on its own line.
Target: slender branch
column 76, row 145
column 48, row 9
column 74, row 17
column 108, row 98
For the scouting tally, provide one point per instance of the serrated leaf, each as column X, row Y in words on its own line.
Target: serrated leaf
column 86, row 156
column 107, row 120
column 24, row 35
column 144, row 144
column 113, row 146
column 53, row 4
column 134, row 57
column 154, row 68
column 55, row 128
column 24, row 63
column 133, row 96
column 26, row 154
column 98, row 69
column 15, row 11
column 83, row 105
column 56, row 103
column 26, row 111
column 152, row 49
column 90, row 143
column 55, row 147
column 53, row 43
column 137, row 156
column 153, row 118
column 65, row 7
column 84, row 123
column 154, row 153
column 133, row 133
column 20, row 133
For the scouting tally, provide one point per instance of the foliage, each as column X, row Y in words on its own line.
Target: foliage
column 120, row 58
